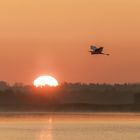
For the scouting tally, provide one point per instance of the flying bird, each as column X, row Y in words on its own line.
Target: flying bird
column 94, row 50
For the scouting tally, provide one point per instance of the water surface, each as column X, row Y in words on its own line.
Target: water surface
column 70, row 126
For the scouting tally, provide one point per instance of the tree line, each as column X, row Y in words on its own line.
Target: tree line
column 70, row 96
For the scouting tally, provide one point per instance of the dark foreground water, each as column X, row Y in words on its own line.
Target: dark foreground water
column 70, row 126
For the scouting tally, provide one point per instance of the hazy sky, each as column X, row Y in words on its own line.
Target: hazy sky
column 53, row 37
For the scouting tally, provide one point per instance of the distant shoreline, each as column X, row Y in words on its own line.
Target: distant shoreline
column 69, row 117
column 69, row 113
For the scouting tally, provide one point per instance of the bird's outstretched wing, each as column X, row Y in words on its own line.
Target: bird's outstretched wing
column 94, row 48
column 99, row 50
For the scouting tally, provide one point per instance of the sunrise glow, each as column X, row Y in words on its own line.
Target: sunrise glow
column 43, row 81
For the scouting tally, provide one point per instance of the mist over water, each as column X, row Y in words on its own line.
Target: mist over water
column 70, row 127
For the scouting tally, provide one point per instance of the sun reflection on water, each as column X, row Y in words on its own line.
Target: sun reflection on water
column 46, row 131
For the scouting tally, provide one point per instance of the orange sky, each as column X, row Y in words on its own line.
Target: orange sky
column 53, row 37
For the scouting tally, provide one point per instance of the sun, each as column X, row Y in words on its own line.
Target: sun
column 43, row 81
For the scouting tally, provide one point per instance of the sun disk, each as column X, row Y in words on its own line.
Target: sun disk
column 43, row 81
